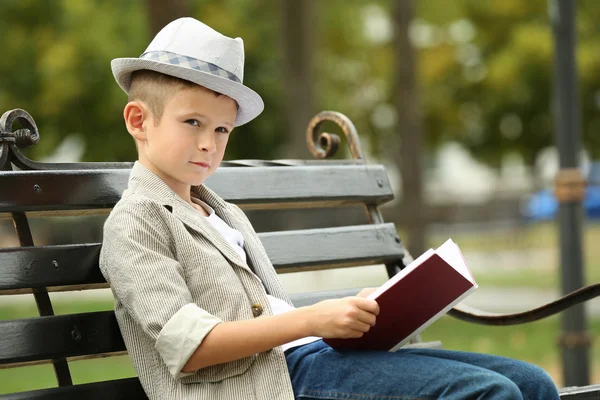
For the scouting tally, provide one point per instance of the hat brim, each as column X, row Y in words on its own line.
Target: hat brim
column 249, row 102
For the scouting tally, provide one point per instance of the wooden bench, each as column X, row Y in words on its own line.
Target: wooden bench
column 43, row 189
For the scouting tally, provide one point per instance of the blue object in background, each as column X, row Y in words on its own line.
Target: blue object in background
column 542, row 206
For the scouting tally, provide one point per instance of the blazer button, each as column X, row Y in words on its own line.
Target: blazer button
column 257, row 310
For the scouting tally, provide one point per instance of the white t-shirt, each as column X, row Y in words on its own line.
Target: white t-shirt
column 235, row 238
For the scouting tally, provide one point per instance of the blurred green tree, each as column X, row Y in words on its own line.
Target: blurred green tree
column 484, row 71
column 56, row 65
column 487, row 76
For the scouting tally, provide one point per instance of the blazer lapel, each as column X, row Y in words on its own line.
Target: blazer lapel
column 256, row 253
column 145, row 180
column 193, row 219
column 257, row 259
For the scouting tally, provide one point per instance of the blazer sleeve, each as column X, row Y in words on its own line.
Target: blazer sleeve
column 148, row 281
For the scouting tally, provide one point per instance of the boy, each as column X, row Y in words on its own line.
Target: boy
column 200, row 307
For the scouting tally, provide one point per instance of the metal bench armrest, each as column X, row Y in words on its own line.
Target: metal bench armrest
column 471, row 314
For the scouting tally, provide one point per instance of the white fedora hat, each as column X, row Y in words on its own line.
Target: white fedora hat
column 188, row 49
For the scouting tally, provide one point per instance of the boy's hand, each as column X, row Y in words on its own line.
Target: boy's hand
column 349, row 317
column 366, row 292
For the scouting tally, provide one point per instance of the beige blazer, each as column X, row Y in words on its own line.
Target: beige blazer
column 174, row 277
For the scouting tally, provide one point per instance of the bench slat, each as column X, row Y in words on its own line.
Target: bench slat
column 28, row 267
column 39, row 340
column 250, row 187
column 120, row 389
column 311, row 249
column 64, row 266
column 87, row 334
column 591, row 392
column 61, row 336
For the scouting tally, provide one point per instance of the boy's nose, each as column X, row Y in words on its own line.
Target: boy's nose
column 207, row 143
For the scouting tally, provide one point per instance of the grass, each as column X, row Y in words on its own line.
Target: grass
column 42, row 376
column 534, row 342
column 526, row 269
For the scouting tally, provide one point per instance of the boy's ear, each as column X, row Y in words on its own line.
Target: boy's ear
column 136, row 119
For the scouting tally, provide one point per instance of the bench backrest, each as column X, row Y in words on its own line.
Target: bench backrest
column 94, row 188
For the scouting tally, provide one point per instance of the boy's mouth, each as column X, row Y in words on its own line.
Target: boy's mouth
column 201, row 164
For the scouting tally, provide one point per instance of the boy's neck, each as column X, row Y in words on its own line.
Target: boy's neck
column 180, row 189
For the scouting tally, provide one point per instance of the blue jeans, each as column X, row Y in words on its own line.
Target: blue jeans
column 320, row 372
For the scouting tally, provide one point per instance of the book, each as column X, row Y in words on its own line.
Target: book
column 414, row 298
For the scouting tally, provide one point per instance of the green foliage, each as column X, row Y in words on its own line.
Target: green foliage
column 485, row 71
column 494, row 92
column 57, row 67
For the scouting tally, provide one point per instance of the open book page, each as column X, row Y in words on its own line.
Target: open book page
column 450, row 253
column 401, row 274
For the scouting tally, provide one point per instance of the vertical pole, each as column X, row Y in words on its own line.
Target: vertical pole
column 574, row 341
column 408, row 145
column 298, row 40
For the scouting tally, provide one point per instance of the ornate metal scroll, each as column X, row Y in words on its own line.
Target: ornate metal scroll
column 11, row 141
column 325, row 145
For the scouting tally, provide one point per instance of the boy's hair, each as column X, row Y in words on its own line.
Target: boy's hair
column 155, row 88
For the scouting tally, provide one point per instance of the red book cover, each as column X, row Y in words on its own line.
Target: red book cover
column 412, row 303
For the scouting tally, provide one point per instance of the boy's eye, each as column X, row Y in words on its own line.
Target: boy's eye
column 222, row 129
column 193, row 122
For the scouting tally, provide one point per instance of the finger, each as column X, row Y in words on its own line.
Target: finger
column 361, row 327
column 368, row 305
column 355, row 328
column 355, row 335
column 366, row 317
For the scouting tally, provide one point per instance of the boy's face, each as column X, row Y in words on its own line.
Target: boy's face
column 189, row 143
